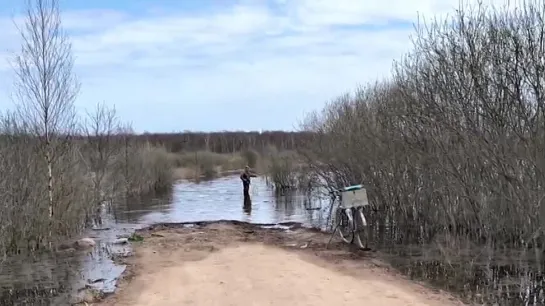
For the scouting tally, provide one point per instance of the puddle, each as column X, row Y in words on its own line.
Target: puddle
column 51, row 280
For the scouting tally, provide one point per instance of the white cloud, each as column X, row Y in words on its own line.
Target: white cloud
column 283, row 57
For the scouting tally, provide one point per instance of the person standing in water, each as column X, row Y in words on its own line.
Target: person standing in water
column 245, row 177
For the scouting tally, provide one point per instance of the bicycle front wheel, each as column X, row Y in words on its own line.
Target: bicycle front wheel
column 361, row 228
column 345, row 224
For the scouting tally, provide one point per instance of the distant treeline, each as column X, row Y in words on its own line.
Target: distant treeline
column 218, row 142
column 226, row 141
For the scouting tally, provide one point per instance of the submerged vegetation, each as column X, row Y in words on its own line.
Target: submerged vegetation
column 452, row 151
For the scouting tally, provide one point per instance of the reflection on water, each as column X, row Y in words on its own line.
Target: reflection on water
column 247, row 206
column 34, row 281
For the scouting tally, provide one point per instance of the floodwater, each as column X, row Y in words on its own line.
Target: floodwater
column 223, row 199
column 52, row 280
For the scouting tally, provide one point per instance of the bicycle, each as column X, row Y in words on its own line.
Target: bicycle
column 349, row 219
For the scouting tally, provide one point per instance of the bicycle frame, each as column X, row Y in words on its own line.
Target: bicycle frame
column 353, row 211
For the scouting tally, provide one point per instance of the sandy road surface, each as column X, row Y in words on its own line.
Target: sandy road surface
column 228, row 264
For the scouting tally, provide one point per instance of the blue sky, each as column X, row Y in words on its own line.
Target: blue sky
column 209, row 65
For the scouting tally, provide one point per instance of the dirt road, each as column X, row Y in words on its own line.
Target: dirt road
column 237, row 264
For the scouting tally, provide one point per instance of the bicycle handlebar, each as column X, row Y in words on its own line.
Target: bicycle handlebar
column 344, row 189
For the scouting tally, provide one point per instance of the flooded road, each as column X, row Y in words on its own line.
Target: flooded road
column 52, row 280
column 35, row 281
column 223, row 199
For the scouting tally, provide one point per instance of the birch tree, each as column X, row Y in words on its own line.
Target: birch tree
column 46, row 86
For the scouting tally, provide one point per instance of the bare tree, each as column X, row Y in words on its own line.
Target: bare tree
column 101, row 127
column 46, row 86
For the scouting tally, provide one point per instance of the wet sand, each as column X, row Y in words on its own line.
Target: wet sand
column 232, row 263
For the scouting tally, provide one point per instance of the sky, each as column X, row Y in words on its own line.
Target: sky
column 209, row 65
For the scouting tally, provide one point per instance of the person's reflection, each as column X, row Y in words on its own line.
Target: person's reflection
column 247, row 207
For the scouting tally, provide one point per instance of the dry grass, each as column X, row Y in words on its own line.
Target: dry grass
column 282, row 168
column 206, row 164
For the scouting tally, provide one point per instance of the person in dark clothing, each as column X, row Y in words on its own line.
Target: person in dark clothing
column 245, row 177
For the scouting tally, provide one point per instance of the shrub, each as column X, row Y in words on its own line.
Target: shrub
column 251, row 157
column 451, row 147
column 282, row 170
column 209, row 164
column 144, row 168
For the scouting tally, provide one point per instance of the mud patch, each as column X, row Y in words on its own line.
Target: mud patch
column 235, row 263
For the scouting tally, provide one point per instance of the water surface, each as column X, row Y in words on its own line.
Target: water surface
column 223, row 199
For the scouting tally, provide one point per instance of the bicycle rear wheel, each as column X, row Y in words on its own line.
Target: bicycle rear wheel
column 360, row 232
column 345, row 225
